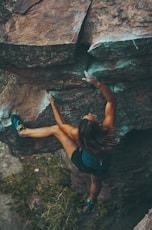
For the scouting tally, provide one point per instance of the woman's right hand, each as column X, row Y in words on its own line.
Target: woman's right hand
column 89, row 78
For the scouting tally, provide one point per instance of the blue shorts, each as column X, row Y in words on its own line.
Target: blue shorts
column 77, row 161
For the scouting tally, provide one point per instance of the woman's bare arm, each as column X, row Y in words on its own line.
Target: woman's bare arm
column 70, row 130
column 110, row 108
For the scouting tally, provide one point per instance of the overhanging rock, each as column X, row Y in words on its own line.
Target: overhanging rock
column 45, row 34
column 123, row 48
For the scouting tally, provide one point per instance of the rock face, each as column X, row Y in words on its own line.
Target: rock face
column 48, row 44
column 9, row 165
column 146, row 223
column 42, row 33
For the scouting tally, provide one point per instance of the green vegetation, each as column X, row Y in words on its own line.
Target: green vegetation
column 43, row 194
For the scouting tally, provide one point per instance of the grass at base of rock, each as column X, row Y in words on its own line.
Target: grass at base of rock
column 43, row 195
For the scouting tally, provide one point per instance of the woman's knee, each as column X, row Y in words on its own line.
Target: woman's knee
column 57, row 131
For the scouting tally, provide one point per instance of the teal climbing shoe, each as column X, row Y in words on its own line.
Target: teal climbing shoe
column 17, row 124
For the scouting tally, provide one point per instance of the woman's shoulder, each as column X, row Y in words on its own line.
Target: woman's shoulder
column 104, row 128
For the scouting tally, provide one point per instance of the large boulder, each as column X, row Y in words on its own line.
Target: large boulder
column 48, row 44
column 41, row 33
column 145, row 223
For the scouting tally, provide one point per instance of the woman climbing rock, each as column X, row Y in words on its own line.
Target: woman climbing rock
column 88, row 145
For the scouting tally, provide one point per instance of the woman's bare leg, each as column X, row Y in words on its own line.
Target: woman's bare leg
column 68, row 144
column 38, row 132
column 95, row 187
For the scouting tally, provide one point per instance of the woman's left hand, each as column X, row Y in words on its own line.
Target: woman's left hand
column 50, row 97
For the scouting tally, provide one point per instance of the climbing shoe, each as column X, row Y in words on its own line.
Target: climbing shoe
column 89, row 206
column 17, row 124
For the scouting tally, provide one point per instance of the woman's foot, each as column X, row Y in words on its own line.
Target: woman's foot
column 17, row 124
column 89, row 206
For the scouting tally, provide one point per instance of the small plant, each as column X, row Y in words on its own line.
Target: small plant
column 60, row 211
